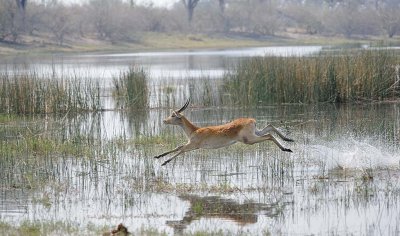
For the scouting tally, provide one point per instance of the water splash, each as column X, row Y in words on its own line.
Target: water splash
column 352, row 153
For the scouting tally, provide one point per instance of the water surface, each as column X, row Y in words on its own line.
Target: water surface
column 342, row 177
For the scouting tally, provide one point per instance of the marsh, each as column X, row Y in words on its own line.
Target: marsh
column 90, row 171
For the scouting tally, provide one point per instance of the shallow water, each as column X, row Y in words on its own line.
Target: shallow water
column 342, row 177
column 160, row 65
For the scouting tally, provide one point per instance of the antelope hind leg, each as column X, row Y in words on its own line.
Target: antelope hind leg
column 257, row 139
column 273, row 139
column 270, row 128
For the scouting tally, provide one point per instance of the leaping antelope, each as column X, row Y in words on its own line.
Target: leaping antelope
column 211, row 137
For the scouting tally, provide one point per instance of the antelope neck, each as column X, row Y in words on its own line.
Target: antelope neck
column 187, row 126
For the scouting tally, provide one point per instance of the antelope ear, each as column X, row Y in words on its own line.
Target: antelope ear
column 177, row 114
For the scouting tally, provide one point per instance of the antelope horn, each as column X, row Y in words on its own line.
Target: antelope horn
column 184, row 106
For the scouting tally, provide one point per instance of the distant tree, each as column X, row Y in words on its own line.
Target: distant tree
column 307, row 17
column 10, row 21
column 100, row 16
column 225, row 22
column 222, row 6
column 21, row 4
column 123, row 20
column 333, row 3
column 58, row 22
column 264, row 19
column 172, row 19
column 353, row 18
column 190, row 5
column 342, row 20
column 114, row 19
column 80, row 20
column 34, row 19
column 253, row 17
column 21, row 14
column 389, row 17
column 208, row 18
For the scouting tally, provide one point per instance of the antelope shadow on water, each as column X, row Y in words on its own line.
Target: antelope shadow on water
column 217, row 207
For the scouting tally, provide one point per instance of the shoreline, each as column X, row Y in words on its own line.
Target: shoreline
column 175, row 41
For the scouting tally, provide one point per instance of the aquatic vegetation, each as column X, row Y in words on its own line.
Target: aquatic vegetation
column 30, row 149
column 30, row 93
column 335, row 77
column 131, row 88
column 28, row 228
column 151, row 232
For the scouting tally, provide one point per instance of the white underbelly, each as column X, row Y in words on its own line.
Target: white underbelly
column 217, row 144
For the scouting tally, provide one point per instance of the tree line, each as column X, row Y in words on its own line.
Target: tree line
column 124, row 20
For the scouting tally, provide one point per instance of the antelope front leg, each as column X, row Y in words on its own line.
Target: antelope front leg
column 167, row 161
column 270, row 128
column 166, row 153
column 182, row 149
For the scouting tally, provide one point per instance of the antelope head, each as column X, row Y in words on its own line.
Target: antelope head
column 176, row 117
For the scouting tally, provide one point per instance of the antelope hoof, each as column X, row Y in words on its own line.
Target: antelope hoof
column 166, row 162
column 160, row 155
column 289, row 140
column 287, row 150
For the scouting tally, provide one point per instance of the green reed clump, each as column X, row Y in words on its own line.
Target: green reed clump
column 35, row 228
column 331, row 77
column 31, row 94
column 32, row 149
column 131, row 89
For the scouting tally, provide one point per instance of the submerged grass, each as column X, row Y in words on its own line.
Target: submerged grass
column 28, row 228
column 31, row 94
column 332, row 77
column 31, row 149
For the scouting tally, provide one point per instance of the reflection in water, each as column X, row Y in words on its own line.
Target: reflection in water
column 121, row 230
column 138, row 121
column 217, row 207
column 14, row 201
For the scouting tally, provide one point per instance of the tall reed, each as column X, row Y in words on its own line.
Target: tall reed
column 31, row 94
column 131, row 89
column 332, row 77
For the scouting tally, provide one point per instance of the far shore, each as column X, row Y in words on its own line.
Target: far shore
column 165, row 41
